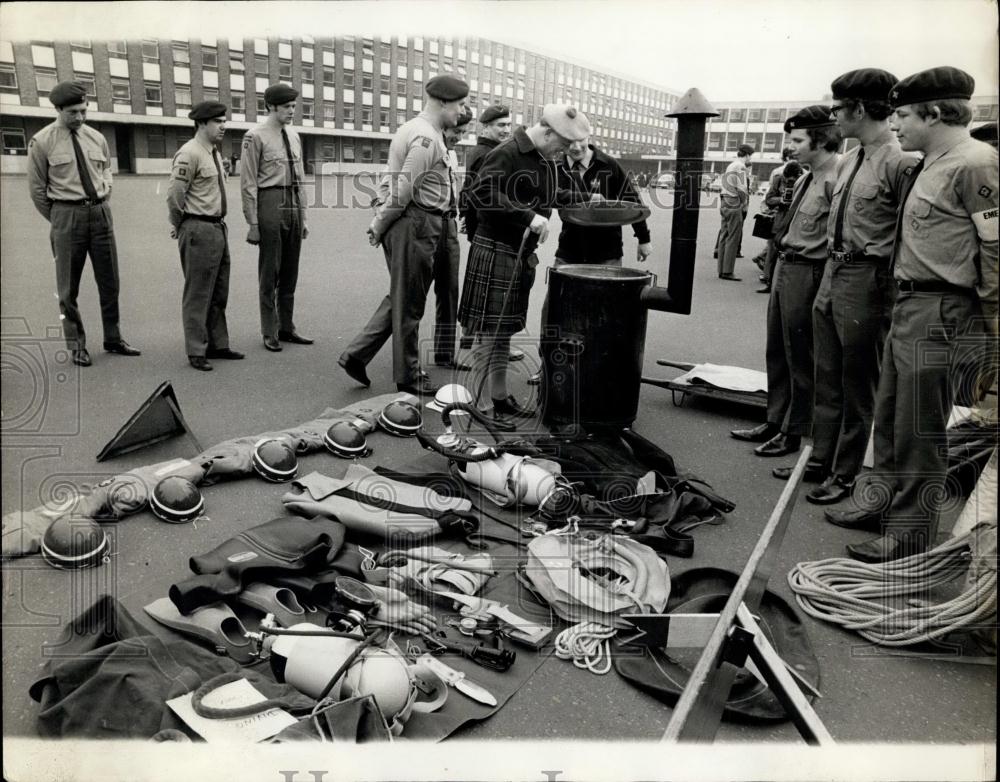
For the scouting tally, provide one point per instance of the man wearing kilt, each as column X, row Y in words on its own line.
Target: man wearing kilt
column 514, row 196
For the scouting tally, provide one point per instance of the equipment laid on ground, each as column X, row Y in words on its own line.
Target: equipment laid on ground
column 158, row 418
column 176, row 500
column 347, row 441
column 73, row 544
column 400, row 419
column 274, row 460
column 728, row 384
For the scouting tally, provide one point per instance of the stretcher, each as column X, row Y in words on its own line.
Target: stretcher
column 689, row 383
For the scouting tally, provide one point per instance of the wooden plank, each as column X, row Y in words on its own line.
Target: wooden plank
column 698, row 712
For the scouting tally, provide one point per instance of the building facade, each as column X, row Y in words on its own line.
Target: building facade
column 354, row 93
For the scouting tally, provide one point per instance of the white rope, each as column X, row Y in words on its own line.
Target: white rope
column 851, row 594
column 588, row 645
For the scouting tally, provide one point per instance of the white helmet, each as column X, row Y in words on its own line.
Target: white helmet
column 450, row 394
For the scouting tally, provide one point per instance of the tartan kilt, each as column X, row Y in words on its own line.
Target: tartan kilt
column 492, row 276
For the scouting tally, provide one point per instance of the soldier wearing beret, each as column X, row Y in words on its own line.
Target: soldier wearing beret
column 853, row 306
column 944, row 261
column 447, row 258
column 802, row 252
column 413, row 203
column 515, row 192
column 69, row 178
column 496, row 128
column 274, row 205
column 196, row 208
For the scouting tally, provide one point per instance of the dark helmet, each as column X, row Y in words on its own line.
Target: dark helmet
column 177, row 500
column 71, row 543
column 274, row 460
column 400, row 419
column 346, row 440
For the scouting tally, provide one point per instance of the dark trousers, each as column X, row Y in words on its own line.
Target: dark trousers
column 446, row 260
column 850, row 314
column 280, row 223
column 790, row 346
column 204, row 251
column 75, row 232
column 409, row 247
column 912, row 406
column 730, row 235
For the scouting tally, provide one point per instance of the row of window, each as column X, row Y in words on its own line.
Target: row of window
column 730, row 142
column 982, row 112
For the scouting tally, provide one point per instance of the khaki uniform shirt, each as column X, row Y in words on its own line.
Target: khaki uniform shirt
column 418, row 173
column 194, row 183
column 735, row 182
column 264, row 163
column 873, row 201
column 807, row 231
column 52, row 171
column 947, row 228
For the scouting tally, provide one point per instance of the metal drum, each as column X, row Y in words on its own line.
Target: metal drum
column 592, row 344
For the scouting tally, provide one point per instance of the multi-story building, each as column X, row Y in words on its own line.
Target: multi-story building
column 354, row 93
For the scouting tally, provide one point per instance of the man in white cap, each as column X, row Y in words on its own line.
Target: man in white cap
column 514, row 195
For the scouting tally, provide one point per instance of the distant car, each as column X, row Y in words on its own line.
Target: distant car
column 663, row 180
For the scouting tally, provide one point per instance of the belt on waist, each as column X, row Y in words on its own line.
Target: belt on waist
column 204, row 218
column 855, row 256
column 83, row 202
column 434, row 211
column 932, row 286
column 293, row 188
column 796, row 258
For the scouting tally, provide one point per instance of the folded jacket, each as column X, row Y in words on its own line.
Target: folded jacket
column 372, row 504
column 284, row 545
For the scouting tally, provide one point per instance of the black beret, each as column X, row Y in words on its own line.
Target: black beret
column 277, row 94
column 809, row 117
column 68, row 93
column 863, row 84
column 944, row 83
column 493, row 112
column 207, row 109
column 447, row 88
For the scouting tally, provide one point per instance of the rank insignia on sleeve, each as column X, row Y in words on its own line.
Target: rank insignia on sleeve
column 425, row 141
column 985, row 191
column 182, row 171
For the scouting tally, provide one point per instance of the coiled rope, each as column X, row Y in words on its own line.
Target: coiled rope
column 588, row 645
column 851, row 594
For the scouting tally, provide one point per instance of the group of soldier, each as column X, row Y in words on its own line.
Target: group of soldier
column 886, row 260
column 885, row 285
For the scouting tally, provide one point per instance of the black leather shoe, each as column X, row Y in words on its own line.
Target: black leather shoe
column 730, row 278
column 764, row 289
column 227, row 353
column 535, row 379
column 455, row 366
column 886, row 548
column 272, row 344
column 759, row 434
column 122, row 348
column 833, row 489
column 509, row 407
column 422, row 387
column 814, row 472
column 200, row 363
column 867, row 520
column 739, row 255
column 354, row 369
column 779, row 445
column 294, row 337
column 81, row 358
column 515, row 355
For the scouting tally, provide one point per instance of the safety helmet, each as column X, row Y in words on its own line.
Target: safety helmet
column 274, row 460
column 450, row 394
column 346, row 440
column 69, row 544
column 384, row 673
column 400, row 419
column 177, row 500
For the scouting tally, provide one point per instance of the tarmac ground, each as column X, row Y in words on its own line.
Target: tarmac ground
column 57, row 417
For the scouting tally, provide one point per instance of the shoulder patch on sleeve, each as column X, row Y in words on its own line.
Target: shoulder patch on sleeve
column 986, row 192
column 424, row 141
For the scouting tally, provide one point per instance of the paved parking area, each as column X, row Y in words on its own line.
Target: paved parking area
column 56, row 420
